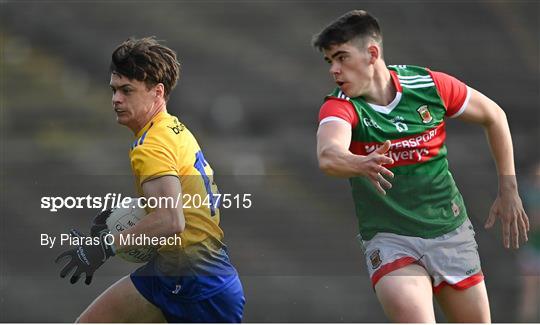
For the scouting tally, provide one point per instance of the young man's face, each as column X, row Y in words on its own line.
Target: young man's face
column 350, row 67
column 131, row 101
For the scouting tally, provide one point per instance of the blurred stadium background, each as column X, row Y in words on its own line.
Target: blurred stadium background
column 250, row 91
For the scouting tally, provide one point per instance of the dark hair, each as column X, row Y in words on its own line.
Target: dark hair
column 148, row 61
column 356, row 24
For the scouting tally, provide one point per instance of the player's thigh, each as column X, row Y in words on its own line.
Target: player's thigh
column 470, row 305
column 121, row 302
column 406, row 295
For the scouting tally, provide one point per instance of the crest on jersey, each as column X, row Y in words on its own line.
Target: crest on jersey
column 375, row 259
column 424, row 114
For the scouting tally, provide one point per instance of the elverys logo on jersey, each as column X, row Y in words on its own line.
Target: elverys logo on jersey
column 412, row 149
column 424, row 114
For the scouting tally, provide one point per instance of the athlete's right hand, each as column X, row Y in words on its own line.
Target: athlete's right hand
column 85, row 258
column 373, row 169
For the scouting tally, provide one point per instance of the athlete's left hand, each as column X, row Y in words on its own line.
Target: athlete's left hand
column 514, row 220
column 99, row 223
column 85, row 258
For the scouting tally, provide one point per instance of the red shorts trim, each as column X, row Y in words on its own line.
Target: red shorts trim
column 463, row 284
column 392, row 266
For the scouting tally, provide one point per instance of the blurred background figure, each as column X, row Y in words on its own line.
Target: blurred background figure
column 529, row 256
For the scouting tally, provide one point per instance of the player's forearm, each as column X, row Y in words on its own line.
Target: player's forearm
column 500, row 142
column 337, row 163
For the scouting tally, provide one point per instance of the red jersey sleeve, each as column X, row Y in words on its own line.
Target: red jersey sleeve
column 454, row 93
column 338, row 108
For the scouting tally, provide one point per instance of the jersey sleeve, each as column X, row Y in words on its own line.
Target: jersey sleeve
column 337, row 109
column 153, row 159
column 454, row 93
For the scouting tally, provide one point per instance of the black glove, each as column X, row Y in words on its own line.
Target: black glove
column 85, row 258
column 99, row 223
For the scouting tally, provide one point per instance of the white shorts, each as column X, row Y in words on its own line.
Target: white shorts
column 451, row 259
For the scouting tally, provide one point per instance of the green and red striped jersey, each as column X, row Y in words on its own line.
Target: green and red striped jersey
column 424, row 200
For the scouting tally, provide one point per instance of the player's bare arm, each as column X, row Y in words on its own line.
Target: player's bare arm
column 165, row 220
column 335, row 159
column 507, row 206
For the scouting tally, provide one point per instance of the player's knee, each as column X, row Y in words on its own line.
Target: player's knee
column 406, row 311
column 406, row 299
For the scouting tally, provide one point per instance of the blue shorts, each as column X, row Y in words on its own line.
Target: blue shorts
column 223, row 304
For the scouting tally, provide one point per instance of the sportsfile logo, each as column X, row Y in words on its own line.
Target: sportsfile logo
column 110, row 200
column 114, row 200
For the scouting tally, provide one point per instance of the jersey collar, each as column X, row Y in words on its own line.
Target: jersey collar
column 158, row 117
column 388, row 108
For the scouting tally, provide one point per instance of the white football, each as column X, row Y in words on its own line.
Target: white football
column 124, row 218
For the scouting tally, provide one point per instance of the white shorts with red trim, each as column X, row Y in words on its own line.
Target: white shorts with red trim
column 451, row 259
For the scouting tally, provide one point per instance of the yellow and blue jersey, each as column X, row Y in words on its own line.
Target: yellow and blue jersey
column 199, row 267
column 164, row 146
